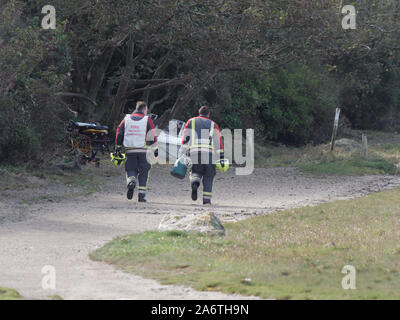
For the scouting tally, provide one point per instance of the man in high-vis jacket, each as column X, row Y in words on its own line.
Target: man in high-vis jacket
column 202, row 142
column 136, row 133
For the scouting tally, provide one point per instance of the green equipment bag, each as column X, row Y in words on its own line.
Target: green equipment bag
column 180, row 167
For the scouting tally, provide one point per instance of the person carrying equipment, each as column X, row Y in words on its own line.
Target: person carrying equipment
column 136, row 134
column 201, row 141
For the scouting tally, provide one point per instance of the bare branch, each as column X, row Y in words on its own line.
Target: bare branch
column 76, row 95
column 159, row 101
column 174, row 82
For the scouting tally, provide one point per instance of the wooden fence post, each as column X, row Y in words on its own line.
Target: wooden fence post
column 365, row 145
column 335, row 129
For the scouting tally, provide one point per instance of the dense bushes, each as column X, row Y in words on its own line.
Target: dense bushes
column 290, row 105
column 373, row 104
column 101, row 68
column 17, row 139
column 34, row 66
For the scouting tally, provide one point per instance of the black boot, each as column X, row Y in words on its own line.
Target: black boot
column 131, row 189
column 195, row 186
column 206, row 201
column 142, row 197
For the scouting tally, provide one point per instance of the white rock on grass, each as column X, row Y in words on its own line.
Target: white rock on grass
column 204, row 223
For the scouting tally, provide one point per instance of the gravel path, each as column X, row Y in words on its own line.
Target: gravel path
column 63, row 233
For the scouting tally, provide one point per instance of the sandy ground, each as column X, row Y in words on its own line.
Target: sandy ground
column 62, row 233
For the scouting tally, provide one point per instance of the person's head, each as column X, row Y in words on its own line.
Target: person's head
column 141, row 106
column 204, row 111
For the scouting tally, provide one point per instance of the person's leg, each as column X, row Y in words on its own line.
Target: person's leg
column 131, row 168
column 208, row 180
column 144, row 175
column 195, row 179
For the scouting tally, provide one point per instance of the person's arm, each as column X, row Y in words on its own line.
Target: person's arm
column 119, row 136
column 186, row 132
column 151, row 133
column 218, row 142
column 185, row 137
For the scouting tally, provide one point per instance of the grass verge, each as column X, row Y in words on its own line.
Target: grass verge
column 384, row 157
column 9, row 294
column 294, row 254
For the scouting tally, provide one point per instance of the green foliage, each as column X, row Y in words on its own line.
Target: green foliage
column 232, row 55
column 289, row 105
column 34, row 65
column 370, row 94
column 17, row 139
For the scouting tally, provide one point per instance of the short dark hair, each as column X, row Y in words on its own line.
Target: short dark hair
column 141, row 105
column 204, row 111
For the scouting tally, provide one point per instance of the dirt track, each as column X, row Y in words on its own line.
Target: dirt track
column 62, row 233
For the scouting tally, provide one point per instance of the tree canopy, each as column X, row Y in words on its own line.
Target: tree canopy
column 281, row 65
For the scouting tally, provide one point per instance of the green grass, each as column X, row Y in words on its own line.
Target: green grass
column 9, row 294
column 294, row 254
column 55, row 297
column 384, row 157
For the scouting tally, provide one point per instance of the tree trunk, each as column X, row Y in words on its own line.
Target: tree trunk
column 180, row 103
column 124, row 84
column 160, row 69
column 183, row 100
column 90, row 85
column 96, row 76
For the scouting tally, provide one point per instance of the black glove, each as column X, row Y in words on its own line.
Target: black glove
column 156, row 153
column 221, row 158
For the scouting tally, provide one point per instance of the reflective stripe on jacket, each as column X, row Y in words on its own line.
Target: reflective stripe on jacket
column 202, row 134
